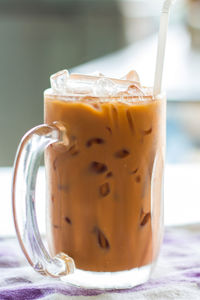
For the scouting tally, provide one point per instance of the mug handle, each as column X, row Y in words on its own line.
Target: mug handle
column 26, row 167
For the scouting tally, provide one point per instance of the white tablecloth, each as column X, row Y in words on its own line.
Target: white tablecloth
column 176, row 276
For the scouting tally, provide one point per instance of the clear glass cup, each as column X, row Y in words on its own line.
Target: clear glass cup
column 104, row 160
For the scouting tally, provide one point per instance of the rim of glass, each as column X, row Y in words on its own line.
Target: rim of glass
column 90, row 98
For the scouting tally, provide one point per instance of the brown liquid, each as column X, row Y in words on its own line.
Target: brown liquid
column 104, row 204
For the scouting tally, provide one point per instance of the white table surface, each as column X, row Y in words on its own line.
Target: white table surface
column 182, row 197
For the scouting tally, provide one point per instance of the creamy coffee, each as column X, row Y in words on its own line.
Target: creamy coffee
column 105, row 187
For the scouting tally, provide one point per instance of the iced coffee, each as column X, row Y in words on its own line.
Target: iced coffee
column 105, row 187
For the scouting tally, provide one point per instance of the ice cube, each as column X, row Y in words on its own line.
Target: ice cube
column 81, row 84
column 132, row 90
column 132, row 76
column 135, row 90
column 104, row 87
column 59, row 81
column 95, row 85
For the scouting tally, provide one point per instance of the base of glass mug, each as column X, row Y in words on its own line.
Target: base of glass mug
column 109, row 280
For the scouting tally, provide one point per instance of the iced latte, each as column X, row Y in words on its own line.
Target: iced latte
column 105, row 188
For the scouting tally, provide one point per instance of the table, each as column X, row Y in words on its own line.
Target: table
column 177, row 274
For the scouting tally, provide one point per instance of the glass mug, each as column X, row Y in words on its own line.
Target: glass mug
column 104, row 160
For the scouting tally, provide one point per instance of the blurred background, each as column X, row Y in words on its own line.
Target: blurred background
column 40, row 37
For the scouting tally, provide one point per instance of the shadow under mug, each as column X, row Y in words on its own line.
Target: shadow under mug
column 104, row 161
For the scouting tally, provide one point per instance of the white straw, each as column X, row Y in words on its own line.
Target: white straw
column 162, row 37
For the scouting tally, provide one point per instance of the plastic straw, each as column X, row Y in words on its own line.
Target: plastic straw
column 164, row 19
